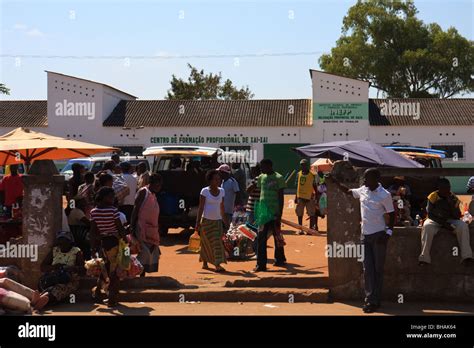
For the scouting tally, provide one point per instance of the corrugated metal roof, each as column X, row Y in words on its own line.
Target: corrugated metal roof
column 432, row 112
column 23, row 113
column 211, row 113
column 240, row 113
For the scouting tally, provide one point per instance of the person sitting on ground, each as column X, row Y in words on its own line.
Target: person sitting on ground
column 444, row 212
column 305, row 195
column 79, row 225
column 86, row 191
column 144, row 224
column 62, row 269
column 106, row 229
column 210, row 222
column 16, row 297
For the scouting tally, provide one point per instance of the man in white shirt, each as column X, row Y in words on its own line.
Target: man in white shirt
column 375, row 204
column 129, row 200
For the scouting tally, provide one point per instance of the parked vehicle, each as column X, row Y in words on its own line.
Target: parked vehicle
column 95, row 164
column 430, row 158
column 183, row 169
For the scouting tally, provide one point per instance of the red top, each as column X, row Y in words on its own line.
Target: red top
column 13, row 188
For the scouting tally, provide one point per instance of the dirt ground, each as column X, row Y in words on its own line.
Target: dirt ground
column 259, row 308
column 305, row 256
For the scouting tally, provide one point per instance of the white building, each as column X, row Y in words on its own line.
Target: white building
column 339, row 110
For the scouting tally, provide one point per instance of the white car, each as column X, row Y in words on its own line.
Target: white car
column 95, row 164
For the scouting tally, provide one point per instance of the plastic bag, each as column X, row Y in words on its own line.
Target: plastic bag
column 194, row 242
column 134, row 270
column 262, row 213
column 247, row 232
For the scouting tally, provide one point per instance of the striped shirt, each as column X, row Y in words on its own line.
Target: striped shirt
column 253, row 197
column 105, row 220
column 470, row 183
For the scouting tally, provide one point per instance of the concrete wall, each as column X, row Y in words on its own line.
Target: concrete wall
column 444, row 279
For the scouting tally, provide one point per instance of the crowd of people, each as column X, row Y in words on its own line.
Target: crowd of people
column 118, row 203
column 119, row 206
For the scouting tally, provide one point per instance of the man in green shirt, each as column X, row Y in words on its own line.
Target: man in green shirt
column 271, row 185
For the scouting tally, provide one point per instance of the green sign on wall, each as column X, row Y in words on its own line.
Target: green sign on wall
column 335, row 112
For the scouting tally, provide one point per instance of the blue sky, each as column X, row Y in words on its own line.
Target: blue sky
column 179, row 27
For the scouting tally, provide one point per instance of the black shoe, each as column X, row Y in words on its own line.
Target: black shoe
column 259, row 269
column 468, row 262
column 280, row 264
column 369, row 308
column 423, row 263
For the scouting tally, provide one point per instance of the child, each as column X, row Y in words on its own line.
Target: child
column 106, row 229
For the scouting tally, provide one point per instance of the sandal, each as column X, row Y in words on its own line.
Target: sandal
column 110, row 303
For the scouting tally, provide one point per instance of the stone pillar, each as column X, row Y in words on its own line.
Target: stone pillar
column 345, row 274
column 42, row 214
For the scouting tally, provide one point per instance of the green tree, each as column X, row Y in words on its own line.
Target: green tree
column 383, row 42
column 201, row 86
column 4, row 89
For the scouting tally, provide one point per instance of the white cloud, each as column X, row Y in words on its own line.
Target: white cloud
column 163, row 54
column 31, row 32
column 20, row 26
column 35, row 32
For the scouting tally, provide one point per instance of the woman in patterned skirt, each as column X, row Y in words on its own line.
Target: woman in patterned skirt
column 210, row 219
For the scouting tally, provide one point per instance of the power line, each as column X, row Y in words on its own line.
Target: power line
column 157, row 57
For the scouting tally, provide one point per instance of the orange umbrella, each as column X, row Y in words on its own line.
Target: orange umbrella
column 322, row 165
column 22, row 145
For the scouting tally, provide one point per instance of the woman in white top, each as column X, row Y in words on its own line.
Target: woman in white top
column 209, row 223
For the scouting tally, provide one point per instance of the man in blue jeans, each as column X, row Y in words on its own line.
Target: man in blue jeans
column 375, row 204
